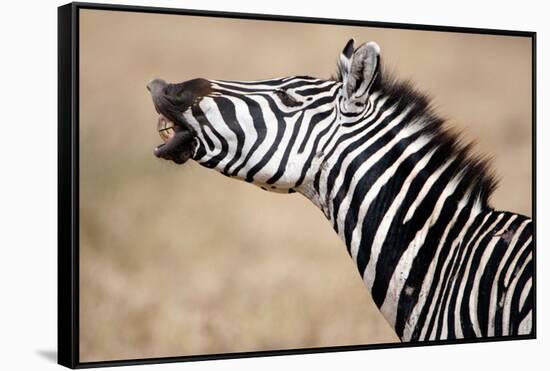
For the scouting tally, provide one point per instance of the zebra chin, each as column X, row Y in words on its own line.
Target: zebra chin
column 178, row 157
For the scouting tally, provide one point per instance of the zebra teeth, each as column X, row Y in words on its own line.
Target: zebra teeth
column 166, row 128
column 178, row 141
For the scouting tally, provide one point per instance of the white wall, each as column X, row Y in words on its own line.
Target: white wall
column 28, row 182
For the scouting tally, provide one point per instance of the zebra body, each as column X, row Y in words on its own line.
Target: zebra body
column 407, row 198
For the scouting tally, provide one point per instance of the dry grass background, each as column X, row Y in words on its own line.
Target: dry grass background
column 181, row 261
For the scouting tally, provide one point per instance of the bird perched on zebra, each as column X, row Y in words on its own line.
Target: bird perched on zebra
column 408, row 198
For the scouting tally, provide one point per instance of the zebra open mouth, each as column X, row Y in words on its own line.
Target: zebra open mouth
column 165, row 128
column 179, row 143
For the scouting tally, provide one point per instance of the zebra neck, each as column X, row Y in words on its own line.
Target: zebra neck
column 399, row 204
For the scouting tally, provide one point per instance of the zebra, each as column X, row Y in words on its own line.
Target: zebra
column 406, row 195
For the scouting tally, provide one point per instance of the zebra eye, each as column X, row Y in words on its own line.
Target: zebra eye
column 359, row 104
column 286, row 99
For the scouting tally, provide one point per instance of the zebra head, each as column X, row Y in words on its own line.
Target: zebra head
column 273, row 133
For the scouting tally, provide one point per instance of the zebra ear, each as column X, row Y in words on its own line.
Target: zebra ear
column 360, row 72
column 344, row 62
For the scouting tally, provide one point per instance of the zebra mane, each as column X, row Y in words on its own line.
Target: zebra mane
column 450, row 143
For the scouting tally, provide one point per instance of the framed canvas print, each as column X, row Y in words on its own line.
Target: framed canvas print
column 236, row 185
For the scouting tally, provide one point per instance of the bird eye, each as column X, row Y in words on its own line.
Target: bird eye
column 286, row 99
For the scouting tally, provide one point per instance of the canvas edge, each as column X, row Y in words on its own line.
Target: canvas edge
column 67, row 207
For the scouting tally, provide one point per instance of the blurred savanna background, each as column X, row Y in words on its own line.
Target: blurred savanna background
column 179, row 260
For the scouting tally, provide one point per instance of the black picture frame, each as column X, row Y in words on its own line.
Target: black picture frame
column 68, row 178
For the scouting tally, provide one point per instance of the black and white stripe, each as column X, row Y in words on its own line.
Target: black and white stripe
column 408, row 199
